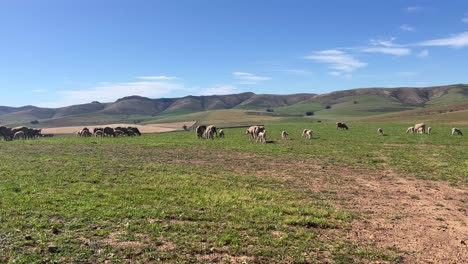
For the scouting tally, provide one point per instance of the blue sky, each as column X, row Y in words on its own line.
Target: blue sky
column 61, row 52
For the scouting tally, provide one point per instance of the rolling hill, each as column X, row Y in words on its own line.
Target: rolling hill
column 366, row 104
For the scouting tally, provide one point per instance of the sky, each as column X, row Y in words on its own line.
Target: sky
column 62, row 52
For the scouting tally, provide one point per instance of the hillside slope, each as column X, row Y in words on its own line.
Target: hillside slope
column 354, row 104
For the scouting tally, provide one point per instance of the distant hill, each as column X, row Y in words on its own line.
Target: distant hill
column 354, row 104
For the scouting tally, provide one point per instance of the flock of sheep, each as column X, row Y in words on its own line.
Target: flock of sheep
column 422, row 129
column 258, row 133
column 109, row 132
column 20, row 133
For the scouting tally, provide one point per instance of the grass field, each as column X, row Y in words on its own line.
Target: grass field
column 172, row 198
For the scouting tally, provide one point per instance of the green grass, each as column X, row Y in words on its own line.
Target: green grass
column 170, row 197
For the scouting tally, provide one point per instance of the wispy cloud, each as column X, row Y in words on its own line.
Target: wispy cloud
column 249, row 77
column 455, row 41
column 389, row 43
column 218, row 90
column 337, row 60
column 297, row 71
column 385, row 50
column 109, row 92
column 414, row 9
column 161, row 77
column 334, row 73
column 423, row 53
column 465, row 19
column 407, row 28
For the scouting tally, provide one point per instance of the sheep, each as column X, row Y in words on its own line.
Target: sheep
column 429, row 130
column 410, row 130
column 456, row 131
column 19, row 135
column 210, row 134
column 284, row 135
column 420, row 128
column 261, row 136
column 341, row 125
column 221, row 133
column 259, row 129
column 99, row 133
column 85, row 133
column 307, row 133
column 380, row 131
column 251, row 131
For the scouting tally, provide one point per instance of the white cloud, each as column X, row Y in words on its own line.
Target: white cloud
column 465, row 20
column 385, row 50
column 423, row 53
column 162, row 77
column 338, row 60
column 218, row 90
column 297, row 71
column 407, row 28
column 455, row 41
column 414, row 9
column 334, row 73
column 245, row 76
column 385, row 43
column 109, row 92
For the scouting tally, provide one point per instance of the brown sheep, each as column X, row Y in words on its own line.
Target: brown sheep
column 341, row 125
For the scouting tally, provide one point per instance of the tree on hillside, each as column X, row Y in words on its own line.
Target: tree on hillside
column 309, row 113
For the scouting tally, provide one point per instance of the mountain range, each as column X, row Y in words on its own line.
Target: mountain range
column 353, row 103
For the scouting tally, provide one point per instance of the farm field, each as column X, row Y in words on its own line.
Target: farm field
column 342, row 197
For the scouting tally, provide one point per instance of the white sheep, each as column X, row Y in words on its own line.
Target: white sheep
column 221, row 133
column 307, row 133
column 284, row 135
column 410, row 130
column 380, row 131
column 429, row 130
column 261, row 136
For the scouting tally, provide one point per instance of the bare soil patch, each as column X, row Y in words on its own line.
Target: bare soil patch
column 422, row 221
column 150, row 128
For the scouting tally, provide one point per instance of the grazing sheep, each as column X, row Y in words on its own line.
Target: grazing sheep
column 6, row 133
column 421, row 127
column 99, row 133
column 341, row 125
column 456, row 131
column 259, row 129
column 210, row 134
column 109, row 131
column 135, row 130
column 429, row 130
column 221, row 133
column 261, row 137
column 284, row 135
column 410, row 130
column 19, row 135
column 211, row 128
column 200, row 130
column 118, row 133
column 251, row 131
column 85, row 133
column 380, row 131
column 98, row 129
column 307, row 133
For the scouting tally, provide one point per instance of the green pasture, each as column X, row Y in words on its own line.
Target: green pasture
column 172, row 198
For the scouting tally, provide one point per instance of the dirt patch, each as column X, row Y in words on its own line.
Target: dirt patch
column 150, row 128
